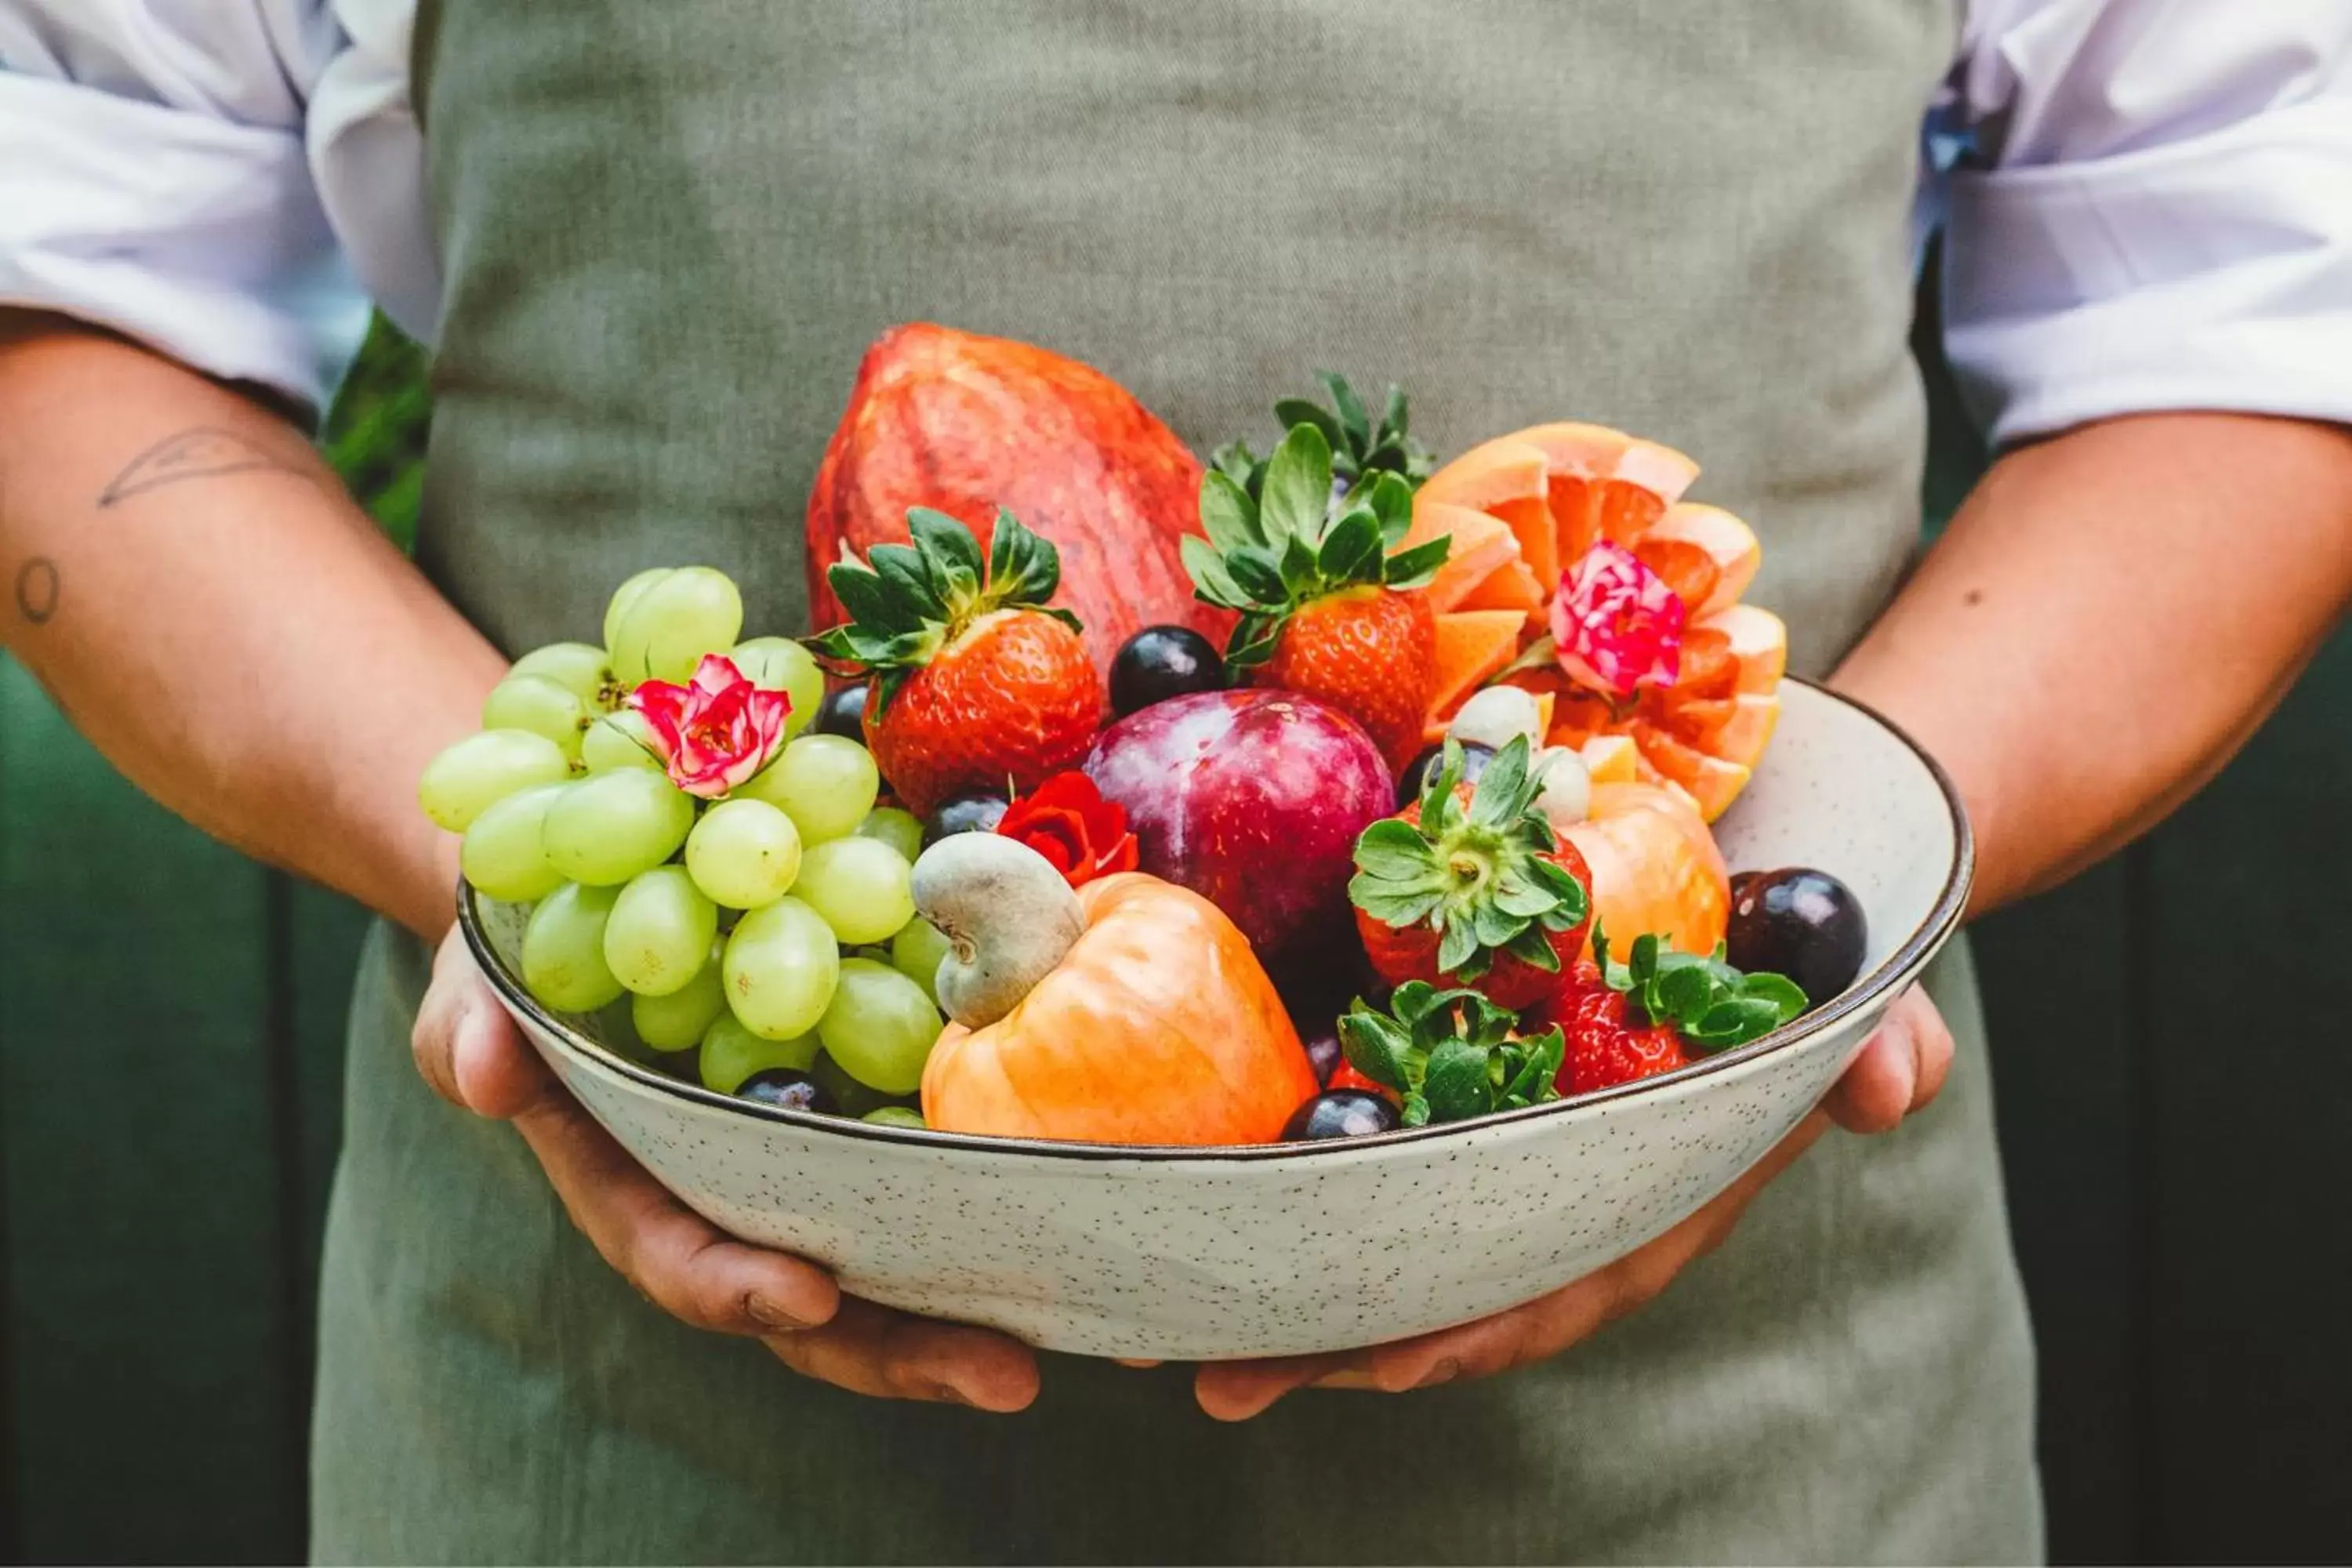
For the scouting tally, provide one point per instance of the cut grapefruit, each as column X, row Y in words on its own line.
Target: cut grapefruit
column 1655, row 868
column 1472, row 646
column 1480, row 545
column 1559, row 489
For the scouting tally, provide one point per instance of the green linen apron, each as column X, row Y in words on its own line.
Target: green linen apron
column 668, row 230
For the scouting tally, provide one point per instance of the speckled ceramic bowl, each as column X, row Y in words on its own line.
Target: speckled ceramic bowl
column 1187, row 1254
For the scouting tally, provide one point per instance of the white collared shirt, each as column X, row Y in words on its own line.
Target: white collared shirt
column 2147, row 203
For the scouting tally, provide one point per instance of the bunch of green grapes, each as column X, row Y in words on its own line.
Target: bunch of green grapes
column 763, row 936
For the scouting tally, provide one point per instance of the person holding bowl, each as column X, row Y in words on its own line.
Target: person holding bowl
column 648, row 243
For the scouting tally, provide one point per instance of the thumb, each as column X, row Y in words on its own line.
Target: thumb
column 467, row 1046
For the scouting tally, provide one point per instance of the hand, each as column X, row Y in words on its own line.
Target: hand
column 472, row 1054
column 1900, row 1069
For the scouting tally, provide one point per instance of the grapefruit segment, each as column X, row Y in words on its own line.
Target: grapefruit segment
column 1610, row 759
column 1729, row 543
column 1656, row 868
column 1510, row 587
column 1480, row 545
column 1759, row 646
column 1472, row 645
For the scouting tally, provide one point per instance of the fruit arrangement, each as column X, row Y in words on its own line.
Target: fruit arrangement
column 1123, row 799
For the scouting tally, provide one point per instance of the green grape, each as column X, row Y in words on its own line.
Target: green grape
column 895, row 1116
column 540, row 705
column 744, row 853
column 665, row 631
column 879, row 1027
column 859, row 886
column 502, row 855
column 825, row 784
column 610, row 827
column 781, row 967
column 660, row 931
column 901, row 830
column 563, row 950
column 780, row 664
column 576, row 667
column 621, row 739
column 626, row 595
column 853, row 1098
column 731, row 1053
column 460, row 783
column 916, row 952
column 678, row 1021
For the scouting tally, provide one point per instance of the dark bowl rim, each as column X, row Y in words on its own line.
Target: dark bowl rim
column 1943, row 917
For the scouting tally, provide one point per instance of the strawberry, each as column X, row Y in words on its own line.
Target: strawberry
column 1326, row 611
column 1661, row 1011
column 1472, row 884
column 976, row 681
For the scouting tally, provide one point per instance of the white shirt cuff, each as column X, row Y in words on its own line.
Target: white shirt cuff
column 197, row 235
column 2213, row 273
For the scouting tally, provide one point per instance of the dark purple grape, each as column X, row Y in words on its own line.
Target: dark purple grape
column 1339, row 1113
column 1417, row 774
column 967, row 811
column 785, row 1089
column 1323, row 1053
column 1160, row 662
column 841, row 713
column 1797, row 922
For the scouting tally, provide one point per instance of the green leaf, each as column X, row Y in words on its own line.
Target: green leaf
column 1391, row 499
column 1067, row 617
column 1022, row 569
column 1394, row 850
column 1537, row 1065
column 1492, row 926
column 1500, row 797
column 1375, row 1047
column 908, row 576
column 1518, row 894
column 839, row 643
column 1390, row 904
column 1211, row 580
column 1787, row 997
column 871, row 605
column 1413, row 568
column 1252, row 641
column 1227, row 513
column 1395, row 418
column 1292, row 410
column 1530, row 948
column 1351, row 550
column 1685, row 993
column 1236, row 462
column 1456, row 1081
column 1414, row 1112
column 1457, row 946
column 1353, row 421
column 1734, row 1022
column 1298, row 485
column 1253, row 568
column 1300, row 577
column 949, row 546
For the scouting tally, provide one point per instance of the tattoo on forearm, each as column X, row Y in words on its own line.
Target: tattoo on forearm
column 36, row 589
column 204, row 452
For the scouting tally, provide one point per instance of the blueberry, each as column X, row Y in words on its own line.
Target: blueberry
column 1797, row 922
column 1160, row 662
column 967, row 811
column 1339, row 1113
column 841, row 713
column 1417, row 774
column 785, row 1089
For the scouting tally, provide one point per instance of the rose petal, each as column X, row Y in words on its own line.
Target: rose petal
column 1616, row 626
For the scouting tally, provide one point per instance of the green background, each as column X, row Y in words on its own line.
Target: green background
column 170, row 1076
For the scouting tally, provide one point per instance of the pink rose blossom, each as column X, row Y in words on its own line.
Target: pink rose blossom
column 1616, row 626
column 716, row 732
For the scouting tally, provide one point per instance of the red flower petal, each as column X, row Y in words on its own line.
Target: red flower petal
column 1615, row 625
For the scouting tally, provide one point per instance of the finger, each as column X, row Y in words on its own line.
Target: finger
column 467, row 1048
column 1237, row 1390
column 1140, row 1365
column 679, row 1261
column 1877, row 1090
column 884, row 1354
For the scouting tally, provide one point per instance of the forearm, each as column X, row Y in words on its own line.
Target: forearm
column 2109, row 616
column 215, row 614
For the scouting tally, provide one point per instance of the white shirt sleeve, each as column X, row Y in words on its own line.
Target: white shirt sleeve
column 154, row 180
column 2155, row 212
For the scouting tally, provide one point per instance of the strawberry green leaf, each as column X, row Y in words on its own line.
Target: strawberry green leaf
column 1254, row 567
column 1391, row 850
column 1375, row 1047
column 1456, row 946
column 1456, row 1082
column 1211, row 580
column 1022, row 569
column 872, row 606
column 1786, row 995
column 1414, row 1112
column 1355, row 425
column 1252, row 641
column 1413, row 568
column 1530, row 949
column 1684, row 994
column 1516, row 894
column 1391, row 499
column 950, row 551
column 1300, row 580
column 1350, row 551
column 1417, row 999
column 1293, row 411
column 1298, row 485
column 1493, row 926
column 1502, row 794
column 1227, row 513
column 908, row 579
